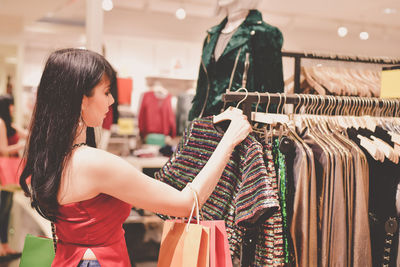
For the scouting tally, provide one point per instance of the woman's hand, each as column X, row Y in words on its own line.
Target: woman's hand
column 238, row 130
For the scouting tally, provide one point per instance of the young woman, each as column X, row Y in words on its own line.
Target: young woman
column 9, row 146
column 10, row 134
column 88, row 192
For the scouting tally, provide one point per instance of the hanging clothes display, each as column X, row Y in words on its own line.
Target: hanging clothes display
column 345, row 177
column 246, row 196
column 156, row 115
column 382, row 200
column 255, row 42
column 328, row 183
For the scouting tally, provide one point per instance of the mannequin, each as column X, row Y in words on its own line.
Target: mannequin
column 242, row 34
column 236, row 12
column 242, row 51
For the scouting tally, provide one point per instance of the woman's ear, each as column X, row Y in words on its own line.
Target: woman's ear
column 84, row 103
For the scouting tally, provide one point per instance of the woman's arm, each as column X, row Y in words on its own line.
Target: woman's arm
column 16, row 148
column 114, row 176
column 5, row 149
column 3, row 139
column 22, row 133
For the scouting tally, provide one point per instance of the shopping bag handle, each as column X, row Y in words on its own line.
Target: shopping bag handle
column 195, row 206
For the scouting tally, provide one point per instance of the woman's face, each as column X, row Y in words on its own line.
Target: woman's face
column 95, row 107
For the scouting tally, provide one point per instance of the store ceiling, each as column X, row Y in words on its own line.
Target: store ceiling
column 16, row 15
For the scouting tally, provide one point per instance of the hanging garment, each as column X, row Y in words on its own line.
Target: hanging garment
column 334, row 219
column 383, row 180
column 283, row 185
column 273, row 229
column 95, row 223
column 303, row 226
column 261, row 41
column 183, row 105
column 244, row 196
column 156, row 115
column 359, row 242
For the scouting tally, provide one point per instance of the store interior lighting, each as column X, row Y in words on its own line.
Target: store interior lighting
column 364, row 35
column 107, row 5
column 389, row 10
column 180, row 13
column 342, row 31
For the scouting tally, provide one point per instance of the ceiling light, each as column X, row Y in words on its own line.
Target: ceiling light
column 389, row 10
column 107, row 5
column 180, row 13
column 364, row 35
column 342, row 31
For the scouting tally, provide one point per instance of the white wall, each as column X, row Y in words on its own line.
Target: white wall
column 138, row 58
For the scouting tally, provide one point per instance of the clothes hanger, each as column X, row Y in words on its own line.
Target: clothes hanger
column 340, row 115
column 263, row 117
column 270, row 118
column 230, row 111
column 384, row 147
column 254, row 113
column 260, row 132
column 159, row 90
column 281, row 117
column 312, row 82
column 371, row 146
column 370, row 121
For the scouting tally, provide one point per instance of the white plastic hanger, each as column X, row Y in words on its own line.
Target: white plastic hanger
column 371, row 147
column 230, row 111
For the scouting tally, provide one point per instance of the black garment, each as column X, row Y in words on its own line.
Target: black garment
column 6, row 198
column 383, row 180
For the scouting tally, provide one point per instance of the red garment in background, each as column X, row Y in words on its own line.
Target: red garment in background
column 95, row 223
column 108, row 120
column 125, row 86
column 12, row 140
column 156, row 115
column 10, row 170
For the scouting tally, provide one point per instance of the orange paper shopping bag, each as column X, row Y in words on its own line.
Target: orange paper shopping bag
column 185, row 244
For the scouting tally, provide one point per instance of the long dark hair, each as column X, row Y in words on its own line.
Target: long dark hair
column 69, row 74
column 5, row 102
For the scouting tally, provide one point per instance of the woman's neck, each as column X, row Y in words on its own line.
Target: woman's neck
column 81, row 137
column 237, row 15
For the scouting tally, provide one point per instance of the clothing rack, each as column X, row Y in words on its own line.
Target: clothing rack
column 396, row 67
column 358, row 59
column 247, row 99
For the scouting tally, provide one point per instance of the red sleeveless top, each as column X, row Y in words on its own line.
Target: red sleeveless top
column 95, row 223
column 13, row 139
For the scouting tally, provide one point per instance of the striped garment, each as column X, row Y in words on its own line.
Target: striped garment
column 245, row 195
column 270, row 245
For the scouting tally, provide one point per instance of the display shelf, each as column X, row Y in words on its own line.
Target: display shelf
column 174, row 85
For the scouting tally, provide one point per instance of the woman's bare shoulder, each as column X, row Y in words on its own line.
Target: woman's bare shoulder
column 84, row 174
column 91, row 157
column 94, row 163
